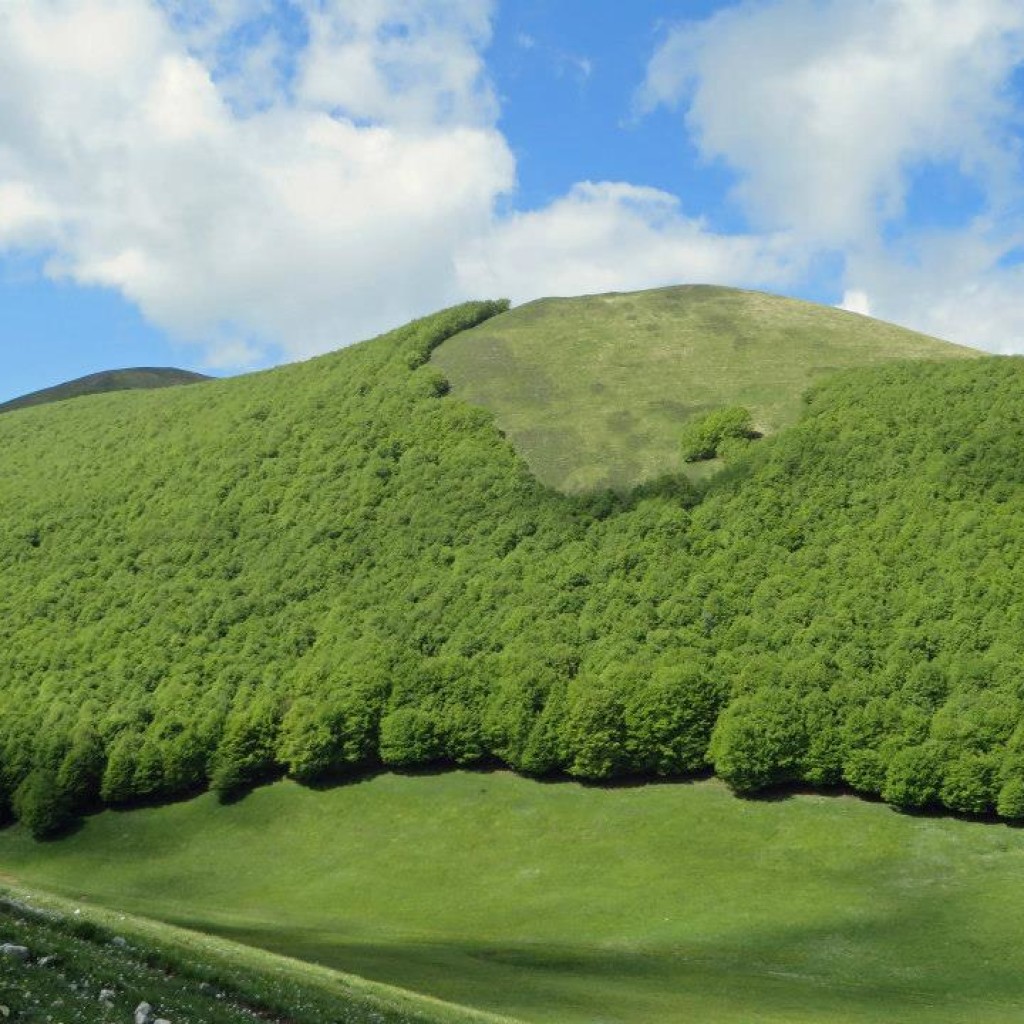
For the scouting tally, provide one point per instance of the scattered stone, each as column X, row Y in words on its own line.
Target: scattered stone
column 5, row 1012
column 13, row 952
column 205, row 987
column 143, row 1014
column 46, row 961
column 120, row 941
column 107, row 997
column 160, row 1020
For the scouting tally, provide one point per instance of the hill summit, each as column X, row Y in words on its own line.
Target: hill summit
column 140, row 377
column 593, row 391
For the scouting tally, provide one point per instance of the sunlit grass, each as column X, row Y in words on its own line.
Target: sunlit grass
column 563, row 903
column 594, row 391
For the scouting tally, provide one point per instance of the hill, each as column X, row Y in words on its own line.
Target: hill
column 594, row 391
column 338, row 565
column 142, row 377
column 570, row 904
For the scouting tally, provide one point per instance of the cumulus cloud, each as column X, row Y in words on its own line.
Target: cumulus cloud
column 856, row 301
column 271, row 193
column 824, row 106
column 272, row 185
column 613, row 236
column 829, row 112
column 959, row 285
column 304, row 225
column 405, row 61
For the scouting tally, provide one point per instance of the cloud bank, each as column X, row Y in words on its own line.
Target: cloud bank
column 270, row 185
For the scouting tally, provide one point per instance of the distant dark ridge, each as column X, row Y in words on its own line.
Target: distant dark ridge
column 136, row 378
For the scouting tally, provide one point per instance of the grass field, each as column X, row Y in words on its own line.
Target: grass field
column 563, row 903
column 593, row 391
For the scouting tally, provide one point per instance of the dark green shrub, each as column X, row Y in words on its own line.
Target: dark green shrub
column 594, row 733
column 914, row 776
column 409, row 737
column 118, row 784
column 970, row 784
column 723, row 428
column 760, row 740
column 1010, row 803
column 81, row 772
column 41, row 806
column 245, row 754
column 669, row 718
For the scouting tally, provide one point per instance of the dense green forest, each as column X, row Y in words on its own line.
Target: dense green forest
column 337, row 565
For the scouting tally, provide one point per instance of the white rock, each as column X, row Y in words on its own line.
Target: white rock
column 143, row 1014
column 12, row 952
column 107, row 996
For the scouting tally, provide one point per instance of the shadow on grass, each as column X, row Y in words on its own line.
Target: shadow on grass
column 765, row 974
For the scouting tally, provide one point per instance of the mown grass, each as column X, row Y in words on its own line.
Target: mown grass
column 594, row 391
column 563, row 903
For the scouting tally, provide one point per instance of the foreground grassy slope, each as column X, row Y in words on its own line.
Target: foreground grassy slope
column 138, row 378
column 566, row 904
column 594, row 391
column 77, row 951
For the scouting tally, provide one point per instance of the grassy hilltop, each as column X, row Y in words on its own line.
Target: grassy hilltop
column 592, row 391
column 143, row 377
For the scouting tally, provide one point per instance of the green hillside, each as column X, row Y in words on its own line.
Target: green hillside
column 337, row 566
column 143, row 377
column 565, row 904
column 91, row 965
column 594, row 391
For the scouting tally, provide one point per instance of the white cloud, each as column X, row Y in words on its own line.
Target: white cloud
column 270, row 201
column 25, row 217
column 823, row 106
column 612, row 236
column 405, row 61
column 278, row 199
column 826, row 110
column 957, row 286
column 855, row 300
column 120, row 154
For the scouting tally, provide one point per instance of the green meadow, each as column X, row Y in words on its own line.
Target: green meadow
column 558, row 902
column 593, row 391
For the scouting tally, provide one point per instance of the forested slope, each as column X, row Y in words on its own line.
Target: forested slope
column 337, row 565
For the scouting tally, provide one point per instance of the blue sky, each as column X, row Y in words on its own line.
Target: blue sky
column 226, row 186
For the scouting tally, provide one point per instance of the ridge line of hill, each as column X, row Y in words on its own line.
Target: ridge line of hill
column 105, row 381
